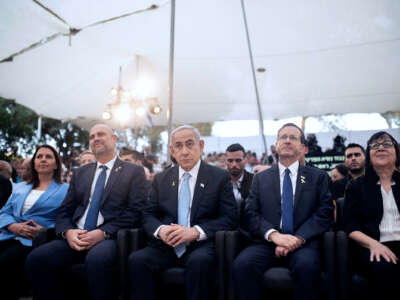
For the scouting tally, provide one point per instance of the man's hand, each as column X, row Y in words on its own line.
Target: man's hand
column 182, row 234
column 164, row 232
column 24, row 229
column 91, row 237
column 281, row 251
column 288, row 241
column 73, row 238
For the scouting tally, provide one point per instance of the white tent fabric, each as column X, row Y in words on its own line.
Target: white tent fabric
column 320, row 57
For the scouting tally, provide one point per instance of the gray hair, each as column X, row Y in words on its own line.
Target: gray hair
column 183, row 127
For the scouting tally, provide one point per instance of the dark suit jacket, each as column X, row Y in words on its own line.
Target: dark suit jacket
column 363, row 205
column 5, row 190
column 313, row 207
column 123, row 198
column 213, row 207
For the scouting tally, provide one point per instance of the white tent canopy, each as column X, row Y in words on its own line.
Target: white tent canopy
column 320, row 57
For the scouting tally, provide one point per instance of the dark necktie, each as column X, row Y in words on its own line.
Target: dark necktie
column 93, row 212
column 183, row 210
column 287, row 204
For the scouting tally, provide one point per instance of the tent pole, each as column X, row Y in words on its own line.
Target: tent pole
column 39, row 127
column 260, row 117
column 171, row 76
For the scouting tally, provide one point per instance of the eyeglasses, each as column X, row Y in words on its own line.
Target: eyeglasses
column 292, row 138
column 385, row 144
column 350, row 155
column 237, row 160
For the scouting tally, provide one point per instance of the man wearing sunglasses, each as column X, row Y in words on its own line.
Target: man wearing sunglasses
column 355, row 163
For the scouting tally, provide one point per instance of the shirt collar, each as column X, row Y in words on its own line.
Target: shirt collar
column 293, row 168
column 109, row 164
column 193, row 172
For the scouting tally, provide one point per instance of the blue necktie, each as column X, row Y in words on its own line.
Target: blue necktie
column 183, row 210
column 93, row 212
column 287, row 204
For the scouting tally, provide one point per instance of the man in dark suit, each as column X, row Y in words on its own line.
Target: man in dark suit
column 241, row 179
column 288, row 210
column 102, row 198
column 189, row 203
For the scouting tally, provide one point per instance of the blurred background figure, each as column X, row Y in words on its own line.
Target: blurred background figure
column 312, row 144
column 26, row 171
column 338, row 146
column 338, row 172
column 33, row 206
column 5, row 182
column 135, row 157
column 273, row 158
column 86, row 157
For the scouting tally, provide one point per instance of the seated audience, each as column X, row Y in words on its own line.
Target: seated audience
column 31, row 207
column 338, row 172
column 372, row 216
column 134, row 157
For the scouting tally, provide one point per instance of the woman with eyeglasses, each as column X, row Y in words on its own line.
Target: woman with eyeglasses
column 29, row 208
column 372, row 215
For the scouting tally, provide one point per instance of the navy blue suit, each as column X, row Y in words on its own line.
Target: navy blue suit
column 213, row 209
column 123, row 199
column 313, row 215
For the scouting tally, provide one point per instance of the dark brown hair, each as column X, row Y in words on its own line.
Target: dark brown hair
column 57, row 172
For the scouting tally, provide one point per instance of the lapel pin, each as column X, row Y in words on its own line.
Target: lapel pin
column 202, row 185
column 302, row 179
column 173, row 183
column 117, row 169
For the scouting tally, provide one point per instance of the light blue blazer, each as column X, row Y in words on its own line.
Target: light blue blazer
column 44, row 211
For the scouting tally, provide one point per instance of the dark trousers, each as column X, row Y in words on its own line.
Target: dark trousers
column 253, row 261
column 12, row 261
column 46, row 266
column 146, row 265
column 384, row 277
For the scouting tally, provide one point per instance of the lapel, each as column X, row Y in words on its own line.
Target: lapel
column 199, row 188
column 25, row 192
column 89, row 176
column 172, row 192
column 52, row 188
column 276, row 187
column 114, row 175
column 300, row 182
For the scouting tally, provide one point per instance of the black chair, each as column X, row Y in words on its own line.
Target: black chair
column 351, row 284
column 135, row 239
column 277, row 282
column 76, row 275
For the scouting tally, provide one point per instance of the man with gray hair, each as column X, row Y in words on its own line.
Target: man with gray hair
column 5, row 183
column 188, row 204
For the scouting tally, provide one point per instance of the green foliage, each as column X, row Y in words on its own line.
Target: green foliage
column 18, row 127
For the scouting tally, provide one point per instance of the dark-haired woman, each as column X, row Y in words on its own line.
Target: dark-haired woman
column 29, row 208
column 372, row 215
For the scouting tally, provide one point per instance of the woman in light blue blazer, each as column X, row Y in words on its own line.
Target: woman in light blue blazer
column 30, row 208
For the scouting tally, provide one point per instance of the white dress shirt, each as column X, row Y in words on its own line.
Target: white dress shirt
column 100, row 220
column 192, row 183
column 236, row 189
column 294, row 167
column 389, row 227
column 30, row 200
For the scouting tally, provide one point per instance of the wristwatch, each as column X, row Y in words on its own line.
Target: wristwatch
column 107, row 236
